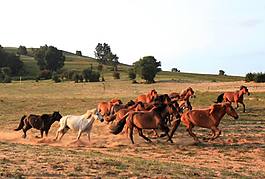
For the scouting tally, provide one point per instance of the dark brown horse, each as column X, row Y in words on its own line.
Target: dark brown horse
column 206, row 118
column 41, row 122
column 147, row 98
column 236, row 97
column 139, row 106
column 142, row 120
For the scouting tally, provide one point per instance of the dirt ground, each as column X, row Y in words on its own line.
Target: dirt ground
column 239, row 152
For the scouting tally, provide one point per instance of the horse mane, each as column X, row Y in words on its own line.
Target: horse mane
column 216, row 106
column 242, row 86
column 89, row 113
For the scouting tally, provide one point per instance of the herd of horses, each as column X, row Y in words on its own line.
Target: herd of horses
column 152, row 111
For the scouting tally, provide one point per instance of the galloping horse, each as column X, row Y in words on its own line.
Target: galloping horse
column 142, row 120
column 139, row 106
column 147, row 98
column 41, row 122
column 104, row 108
column 183, row 97
column 236, row 97
column 81, row 123
column 206, row 118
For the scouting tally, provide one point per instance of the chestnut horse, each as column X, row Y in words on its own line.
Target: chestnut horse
column 147, row 98
column 142, row 120
column 40, row 122
column 236, row 97
column 184, row 95
column 139, row 106
column 206, row 118
column 104, row 108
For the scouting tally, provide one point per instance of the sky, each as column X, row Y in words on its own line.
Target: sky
column 200, row 36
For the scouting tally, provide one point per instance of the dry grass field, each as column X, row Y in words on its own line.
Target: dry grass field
column 238, row 153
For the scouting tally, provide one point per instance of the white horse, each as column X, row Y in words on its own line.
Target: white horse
column 81, row 123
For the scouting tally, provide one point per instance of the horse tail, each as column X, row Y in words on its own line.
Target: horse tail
column 116, row 129
column 220, row 98
column 21, row 124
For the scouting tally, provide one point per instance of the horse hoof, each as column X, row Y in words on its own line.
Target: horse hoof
column 23, row 136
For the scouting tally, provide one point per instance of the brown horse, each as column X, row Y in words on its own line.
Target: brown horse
column 142, row 120
column 184, row 95
column 40, row 122
column 236, row 97
column 104, row 108
column 206, row 118
column 147, row 98
column 139, row 106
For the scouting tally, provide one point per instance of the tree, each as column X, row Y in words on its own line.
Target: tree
column 79, row 53
column 175, row 70
column 147, row 68
column 104, row 55
column 22, row 50
column 49, row 58
column 132, row 74
column 12, row 61
column 221, row 72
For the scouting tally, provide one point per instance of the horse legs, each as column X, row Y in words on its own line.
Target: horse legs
column 88, row 136
column 216, row 132
column 131, row 135
column 79, row 134
column 41, row 133
column 63, row 132
column 189, row 129
column 143, row 136
column 46, row 132
column 175, row 126
column 27, row 127
column 244, row 107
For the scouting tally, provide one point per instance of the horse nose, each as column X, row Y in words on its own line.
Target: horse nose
column 248, row 94
column 236, row 117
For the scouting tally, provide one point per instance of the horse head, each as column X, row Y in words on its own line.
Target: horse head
column 191, row 93
column 230, row 110
column 56, row 116
column 99, row 116
column 244, row 89
column 154, row 93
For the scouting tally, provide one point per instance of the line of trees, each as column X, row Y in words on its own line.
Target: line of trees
column 50, row 61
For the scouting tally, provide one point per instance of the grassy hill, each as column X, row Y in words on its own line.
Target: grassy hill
column 78, row 63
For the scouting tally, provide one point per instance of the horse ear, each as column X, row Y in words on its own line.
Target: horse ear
column 241, row 87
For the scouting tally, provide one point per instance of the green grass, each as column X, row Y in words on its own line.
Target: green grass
column 77, row 63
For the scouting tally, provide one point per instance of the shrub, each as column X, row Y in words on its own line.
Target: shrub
column 257, row 77
column 87, row 73
column 6, row 71
column 45, row 74
column 81, row 79
column 7, row 79
column 94, row 77
column 76, row 77
column 249, row 77
column 116, row 75
column 132, row 74
column 56, row 78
